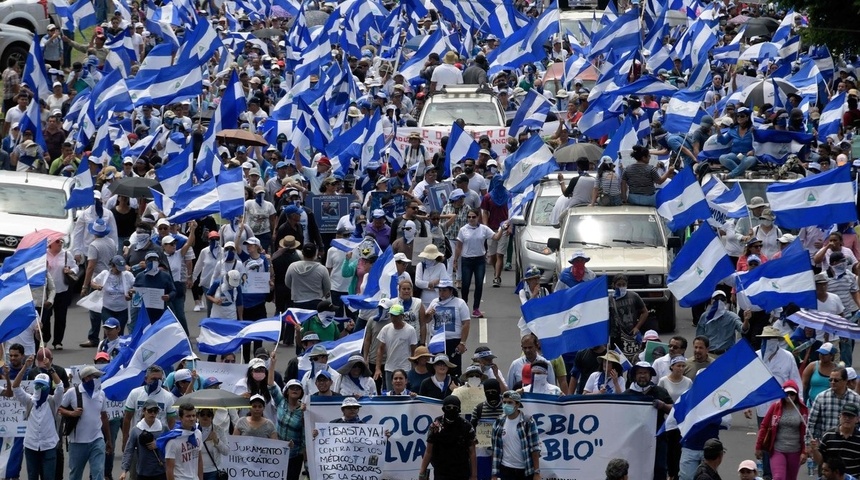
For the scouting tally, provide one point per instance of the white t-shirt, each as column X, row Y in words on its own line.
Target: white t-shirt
column 832, row 305
column 114, row 288
column 473, row 239
column 591, row 384
column 513, row 456
column 446, row 74
column 185, row 455
column 89, row 427
column 334, row 261
column 451, row 313
column 257, row 216
column 164, row 399
column 398, row 343
column 675, row 389
column 478, row 183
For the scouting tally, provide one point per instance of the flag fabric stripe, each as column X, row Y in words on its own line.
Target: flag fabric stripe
column 682, row 202
column 817, row 200
column 697, row 269
column 338, row 351
column 17, row 310
column 32, row 260
column 219, row 337
column 779, row 282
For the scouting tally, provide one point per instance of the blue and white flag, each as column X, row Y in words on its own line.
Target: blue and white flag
column 81, row 194
column 339, row 351
column 682, row 201
column 84, row 14
column 298, row 316
column 346, row 244
column 231, row 193
column 736, row 380
column 623, row 140
column 526, row 44
column 776, row 145
column 685, row 111
column 35, row 73
column 831, row 117
column 219, row 337
column 531, row 162
column 697, row 269
column 572, row 319
column 461, row 145
column 433, row 43
column 724, row 200
column 713, row 149
column 437, row 341
column 625, row 363
column 163, row 343
column 531, row 115
column 821, row 199
column 193, row 203
column 109, row 95
column 32, row 260
column 776, row 283
column 381, row 284
column 179, row 82
column 32, row 120
column 623, row 33
column 175, row 175
column 17, row 310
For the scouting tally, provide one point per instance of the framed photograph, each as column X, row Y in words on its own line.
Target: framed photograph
column 655, row 350
column 438, row 195
column 328, row 209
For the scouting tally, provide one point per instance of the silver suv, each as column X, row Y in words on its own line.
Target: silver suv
column 32, row 15
column 477, row 106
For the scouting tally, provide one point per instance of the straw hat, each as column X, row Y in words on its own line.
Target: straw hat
column 431, row 252
column 421, row 351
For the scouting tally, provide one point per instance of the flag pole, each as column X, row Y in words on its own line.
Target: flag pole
column 280, row 332
column 42, row 313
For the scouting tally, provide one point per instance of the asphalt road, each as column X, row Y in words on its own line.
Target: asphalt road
column 498, row 330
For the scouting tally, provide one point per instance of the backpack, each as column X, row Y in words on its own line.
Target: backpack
column 69, row 424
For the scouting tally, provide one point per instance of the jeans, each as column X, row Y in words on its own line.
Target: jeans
column 690, row 460
column 114, row 424
column 210, row 475
column 81, row 453
column 784, row 466
column 178, row 305
column 846, row 351
column 41, row 465
column 736, row 166
column 478, row 267
column 294, row 467
column 59, row 310
column 507, row 473
column 95, row 327
column 642, row 200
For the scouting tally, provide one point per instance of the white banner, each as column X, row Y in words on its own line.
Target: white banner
column 406, row 418
column 579, row 435
column 349, row 451
column 254, row 458
column 12, row 423
column 432, row 139
column 228, row 374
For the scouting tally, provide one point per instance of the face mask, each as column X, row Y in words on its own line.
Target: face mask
column 767, row 223
column 153, row 386
column 451, row 415
column 408, row 235
column 213, row 245
column 538, row 382
column 473, row 381
column 620, row 292
column 230, row 255
column 259, row 198
column 326, row 318
column 839, row 269
column 151, row 267
column 259, row 376
column 493, row 170
column 89, row 386
column 508, row 409
column 140, row 244
column 297, row 202
column 319, row 366
column 769, row 347
column 469, row 170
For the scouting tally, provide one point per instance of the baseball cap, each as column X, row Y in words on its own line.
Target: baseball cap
column 850, row 409
column 748, row 465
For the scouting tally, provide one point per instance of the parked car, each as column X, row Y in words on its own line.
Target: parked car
column 32, row 201
column 477, row 106
column 14, row 43
column 628, row 239
column 31, row 15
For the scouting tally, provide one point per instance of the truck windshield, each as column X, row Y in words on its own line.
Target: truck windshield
column 473, row 113
column 19, row 200
column 614, row 230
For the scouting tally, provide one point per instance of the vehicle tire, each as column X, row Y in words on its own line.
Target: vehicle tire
column 664, row 312
column 18, row 51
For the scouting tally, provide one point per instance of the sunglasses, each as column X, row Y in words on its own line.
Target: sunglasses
column 205, row 414
column 470, row 217
column 835, row 380
column 152, row 410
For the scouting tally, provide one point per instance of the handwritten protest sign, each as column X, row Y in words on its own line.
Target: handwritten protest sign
column 228, row 374
column 353, row 451
column 12, row 423
column 256, row 458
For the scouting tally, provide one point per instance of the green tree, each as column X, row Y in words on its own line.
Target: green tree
column 835, row 23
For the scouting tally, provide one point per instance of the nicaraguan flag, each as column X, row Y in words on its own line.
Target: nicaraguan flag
column 164, row 343
column 437, row 341
column 776, row 145
column 685, row 111
column 831, row 117
column 219, row 337
column 682, row 201
column 35, row 74
column 193, row 203
column 81, row 194
column 625, row 363
column 713, row 149
column 17, row 310
column 338, row 351
column 623, row 33
column 346, row 244
column 231, row 193
column 531, row 115
column 298, row 316
column 525, row 167
column 623, row 140
column 776, row 283
column 381, row 283
column 697, row 269
column 736, row 380
column 571, row 319
column 821, row 199
column 32, row 260
column 461, row 145
column 727, row 201
column 526, row 44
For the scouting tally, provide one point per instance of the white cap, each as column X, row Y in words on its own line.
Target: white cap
column 401, row 257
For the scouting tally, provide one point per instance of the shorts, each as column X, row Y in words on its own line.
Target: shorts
column 498, row 247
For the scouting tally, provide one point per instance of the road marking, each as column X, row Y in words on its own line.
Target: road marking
column 482, row 330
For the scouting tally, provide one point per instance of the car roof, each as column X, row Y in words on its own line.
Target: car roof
column 35, row 179
column 619, row 210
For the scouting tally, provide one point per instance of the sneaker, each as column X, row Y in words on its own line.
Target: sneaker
column 508, row 267
column 198, row 307
column 477, row 313
column 497, row 282
column 88, row 345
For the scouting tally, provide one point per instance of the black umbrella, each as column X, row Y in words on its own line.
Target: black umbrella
column 134, row 187
column 759, row 26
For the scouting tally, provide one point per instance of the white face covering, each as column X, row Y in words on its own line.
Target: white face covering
column 409, row 234
column 770, row 346
column 539, row 382
column 473, row 381
column 326, row 318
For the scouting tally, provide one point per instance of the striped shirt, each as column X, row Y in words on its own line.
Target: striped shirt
column 844, row 286
column 640, row 178
column 848, row 449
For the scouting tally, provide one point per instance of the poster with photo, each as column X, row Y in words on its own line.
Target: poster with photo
column 439, row 195
column 328, row 209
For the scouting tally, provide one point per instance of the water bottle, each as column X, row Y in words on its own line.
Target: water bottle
column 810, row 467
column 759, row 466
